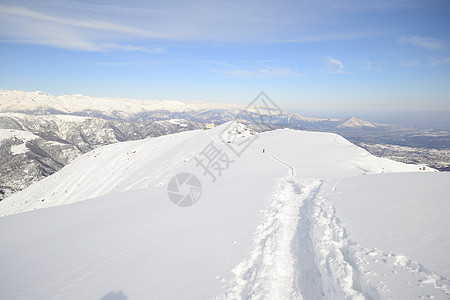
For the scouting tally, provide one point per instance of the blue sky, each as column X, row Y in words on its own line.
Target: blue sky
column 350, row 55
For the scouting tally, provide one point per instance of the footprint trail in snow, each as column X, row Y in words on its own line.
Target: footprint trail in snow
column 302, row 251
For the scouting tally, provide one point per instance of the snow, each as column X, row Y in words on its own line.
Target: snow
column 274, row 225
column 19, row 149
column 20, row 134
column 393, row 211
column 23, row 136
column 152, row 162
column 355, row 122
column 177, row 122
column 17, row 101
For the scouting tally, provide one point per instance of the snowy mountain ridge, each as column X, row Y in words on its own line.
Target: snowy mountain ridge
column 20, row 101
column 70, row 125
column 124, row 108
column 272, row 225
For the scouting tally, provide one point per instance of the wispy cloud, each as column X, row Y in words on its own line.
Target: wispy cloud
column 73, row 42
column 90, row 24
column 93, row 25
column 102, row 7
column 439, row 61
column 279, row 72
column 24, row 25
column 429, row 43
column 128, row 47
column 411, row 63
column 334, row 66
column 267, row 71
column 432, row 61
column 324, row 38
column 373, row 66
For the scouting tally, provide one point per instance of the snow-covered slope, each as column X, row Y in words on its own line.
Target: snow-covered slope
column 400, row 222
column 152, row 162
column 264, row 229
column 59, row 139
column 389, row 205
column 82, row 123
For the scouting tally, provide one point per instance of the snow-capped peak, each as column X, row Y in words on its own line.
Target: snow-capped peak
column 354, row 122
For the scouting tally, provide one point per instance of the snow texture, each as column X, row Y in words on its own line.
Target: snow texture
column 314, row 217
column 17, row 135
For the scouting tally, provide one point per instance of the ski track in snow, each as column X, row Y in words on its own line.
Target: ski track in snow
column 269, row 270
column 301, row 250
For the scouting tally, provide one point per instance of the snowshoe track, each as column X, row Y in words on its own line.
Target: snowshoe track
column 290, row 258
column 301, row 250
column 270, row 269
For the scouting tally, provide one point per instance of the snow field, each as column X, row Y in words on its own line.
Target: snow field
column 23, row 136
column 269, row 270
column 20, row 134
column 399, row 222
column 256, row 233
column 109, row 169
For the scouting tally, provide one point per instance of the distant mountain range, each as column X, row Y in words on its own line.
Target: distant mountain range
column 52, row 131
column 40, row 103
